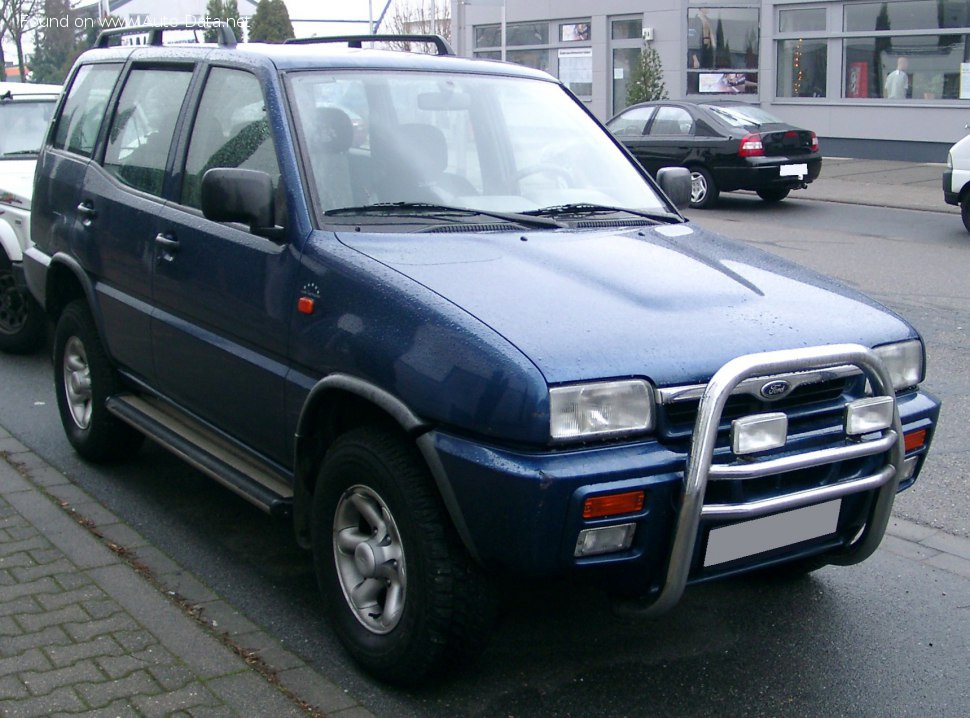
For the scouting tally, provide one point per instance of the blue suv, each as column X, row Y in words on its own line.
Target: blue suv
column 431, row 311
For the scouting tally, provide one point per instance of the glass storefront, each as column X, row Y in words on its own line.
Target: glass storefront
column 891, row 51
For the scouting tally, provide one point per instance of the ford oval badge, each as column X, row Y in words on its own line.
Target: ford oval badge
column 775, row 389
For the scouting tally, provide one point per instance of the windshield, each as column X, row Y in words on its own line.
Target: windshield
column 744, row 115
column 494, row 144
column 24, row 124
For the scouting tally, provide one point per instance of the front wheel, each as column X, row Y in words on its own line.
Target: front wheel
column 965, row 211
column 773, row 195
column 22, row 321
column 401, row 591
column 84, row 378
column 703, row 190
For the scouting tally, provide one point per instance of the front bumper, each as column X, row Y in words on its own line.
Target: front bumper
column 949, row 196
column 521, row 513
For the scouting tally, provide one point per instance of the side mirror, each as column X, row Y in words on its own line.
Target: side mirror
column 676, row 184
column 238, row 195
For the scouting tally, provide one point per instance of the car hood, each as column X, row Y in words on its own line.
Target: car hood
column 17, row 182
column 672, row 303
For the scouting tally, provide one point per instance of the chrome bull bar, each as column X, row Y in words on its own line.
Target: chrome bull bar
column 700, row 467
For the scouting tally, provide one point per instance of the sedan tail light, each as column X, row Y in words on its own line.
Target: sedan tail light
column 814, row 142
column 751, row 146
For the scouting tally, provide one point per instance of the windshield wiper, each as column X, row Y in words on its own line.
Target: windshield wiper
column 581, row 208
column 431, row 209
column 21, row 152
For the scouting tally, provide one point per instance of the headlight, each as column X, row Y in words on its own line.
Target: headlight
column 600, row 409
column 904, row 362
column 949, row 160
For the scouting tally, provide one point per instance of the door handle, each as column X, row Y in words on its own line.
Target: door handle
column 168, row 245
column 88, row 213
column 167, row 242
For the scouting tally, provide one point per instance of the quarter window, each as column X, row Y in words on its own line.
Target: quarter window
column 231, row 130
column 80, row 120
column 143, row 126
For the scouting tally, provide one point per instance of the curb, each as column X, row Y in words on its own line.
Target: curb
column 190, row 620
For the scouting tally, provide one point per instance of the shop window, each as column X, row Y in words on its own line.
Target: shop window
column 725, row 40
column 516, row 34
column 627, row 29
column 923, row 67
column 802, row 66
column 908, row 15
column 802, row 20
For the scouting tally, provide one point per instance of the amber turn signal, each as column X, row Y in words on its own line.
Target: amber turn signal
column 915, row 439
column 613, row 504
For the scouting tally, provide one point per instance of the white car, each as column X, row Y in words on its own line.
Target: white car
column 25, row 112
column 956, row 178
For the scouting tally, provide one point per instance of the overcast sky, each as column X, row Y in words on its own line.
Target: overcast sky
column 313, row 11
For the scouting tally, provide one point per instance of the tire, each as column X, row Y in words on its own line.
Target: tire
column 22, row 321
column 773, row 195
column 965, row 211
column 402, row 593
column 83, row 380
column 703, row 190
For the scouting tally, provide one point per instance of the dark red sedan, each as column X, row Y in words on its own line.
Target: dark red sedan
column 725, row 145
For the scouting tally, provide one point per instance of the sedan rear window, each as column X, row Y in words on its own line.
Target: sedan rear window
column 743, row 115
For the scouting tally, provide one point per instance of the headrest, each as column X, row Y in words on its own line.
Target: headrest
column 334, row 130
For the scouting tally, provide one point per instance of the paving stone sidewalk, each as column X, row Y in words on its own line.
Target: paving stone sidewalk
column 89, row 628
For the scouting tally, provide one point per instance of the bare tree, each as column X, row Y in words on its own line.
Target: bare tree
column 3, row 35
column 419, row 17
column 20, row 18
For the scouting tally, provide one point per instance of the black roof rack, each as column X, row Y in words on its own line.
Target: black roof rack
column 357, row 40
column 226, row 37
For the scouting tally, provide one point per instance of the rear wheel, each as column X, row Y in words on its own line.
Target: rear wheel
column 402, row 593
column 965, row 211
column 21, row 317
column 703, row 190
column 84, row 378
column 773, row 195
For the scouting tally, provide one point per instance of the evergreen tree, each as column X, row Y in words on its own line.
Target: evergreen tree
column 271, row 22
column 228, row 12
column 55, row 43
column 646, row 78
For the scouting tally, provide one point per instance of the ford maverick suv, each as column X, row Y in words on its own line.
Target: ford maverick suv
column 430, row 311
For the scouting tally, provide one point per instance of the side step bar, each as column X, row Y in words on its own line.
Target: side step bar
column 201, row 447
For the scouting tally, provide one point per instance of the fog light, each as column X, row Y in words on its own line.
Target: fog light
column 909, row 468
column 864, row 416
column 607, row 539
column 759, row 433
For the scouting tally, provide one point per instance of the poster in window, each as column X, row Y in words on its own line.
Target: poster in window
column 729, row 83
column 858, row 85
column 576, row 69
column 965, row 80
column 574, row 32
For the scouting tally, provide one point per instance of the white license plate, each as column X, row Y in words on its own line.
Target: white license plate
column 771, row 532
column 793, row 171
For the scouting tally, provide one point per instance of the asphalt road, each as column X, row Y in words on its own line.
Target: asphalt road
column 888, row 637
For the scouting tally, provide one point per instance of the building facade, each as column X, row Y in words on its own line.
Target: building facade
column 887, row 79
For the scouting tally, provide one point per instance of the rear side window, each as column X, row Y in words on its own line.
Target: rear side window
column 78, row 125
column 672, row 121
column 231, row 130
column 143, row 126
